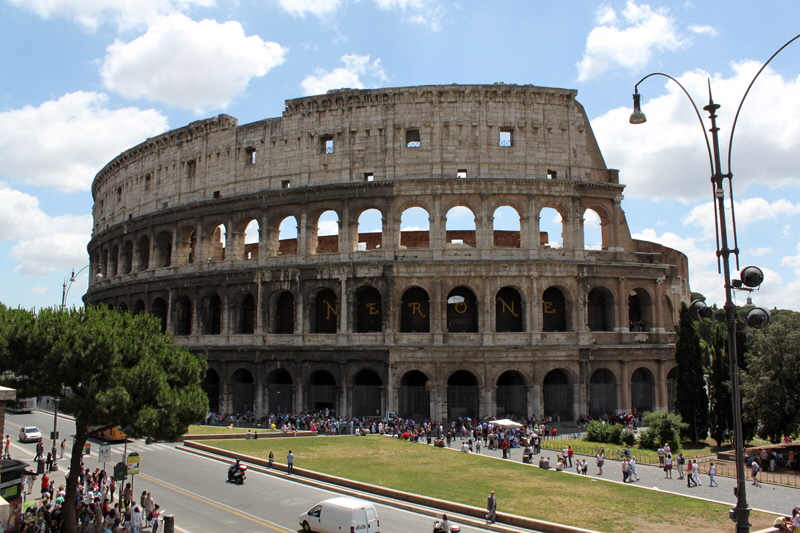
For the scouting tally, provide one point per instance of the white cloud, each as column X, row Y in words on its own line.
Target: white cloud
column 40, row 291
column 319, row 8
column 423, row 12
column 667, row 157
column 124, row 13
column 748, row 211
column 63, row 143
column 629, row 45
column 206, row 66
column 349, row 76
column 44, row 243
column 759, row 252
column 703, row 29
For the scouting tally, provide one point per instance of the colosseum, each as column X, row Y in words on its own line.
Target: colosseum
column 384, row 250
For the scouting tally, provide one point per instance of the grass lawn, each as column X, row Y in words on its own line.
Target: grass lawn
column 521, row 489
column 216, row 430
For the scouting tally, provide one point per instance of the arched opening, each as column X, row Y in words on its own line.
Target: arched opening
column 127, row 257
column 639, row 310
column 327, row 233
column 366, row 394
column 244, row 391
column 462, row 395
column 672, row 389
column 138, row 307
column 369, row 311
column 326, row 312
column 551, row 228
column 212, row 315
column 123, row 307
column 281, row 393
column 159, row 310
column 643, row 388
column 163, row 250
column 287, row 236
column 183, row 318
column 592, row 231
column 512, row 395
column 600, row 307
column 506, row 227
column 247, row 315
column 187, row 246
column 143, row 253
column 215, row 250
column 321, row 391
column 284, row 314
column 602, row 393
column 460, row 227
column 252, row 235
column 462, row 311
column 508, row 311
column 415, row 396
column 210, row 386
column 104, row 262
column 113, row 261
column 557, row 392
column 415, row 228
column 415, row 316
column 554, row 310
column 370, row 230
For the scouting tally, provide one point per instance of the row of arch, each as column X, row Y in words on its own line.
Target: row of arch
column 414, row 313
column 365, row 394
column 212, row 240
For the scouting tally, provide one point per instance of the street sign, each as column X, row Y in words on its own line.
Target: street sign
column 120, row 471
column 54, row 435
column 87, row 449
column 133, row 463
column 104, row 453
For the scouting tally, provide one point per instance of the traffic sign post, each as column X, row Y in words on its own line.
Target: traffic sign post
column 132, row 466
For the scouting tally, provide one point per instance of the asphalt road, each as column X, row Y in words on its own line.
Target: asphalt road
column 194, row 489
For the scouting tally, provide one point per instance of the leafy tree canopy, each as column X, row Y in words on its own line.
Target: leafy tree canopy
column 770, row 395
column 109, row 368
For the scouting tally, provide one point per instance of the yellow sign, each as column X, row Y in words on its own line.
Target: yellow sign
column 133, row 463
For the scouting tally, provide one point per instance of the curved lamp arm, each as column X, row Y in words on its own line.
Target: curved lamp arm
column 696, row 111
column 68, row 286
column 736, row 117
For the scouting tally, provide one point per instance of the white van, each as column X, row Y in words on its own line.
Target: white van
column 341, row 515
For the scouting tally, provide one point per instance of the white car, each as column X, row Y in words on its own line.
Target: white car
column 30, row 434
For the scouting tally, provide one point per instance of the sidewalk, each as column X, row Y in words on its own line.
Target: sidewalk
column 775, row 499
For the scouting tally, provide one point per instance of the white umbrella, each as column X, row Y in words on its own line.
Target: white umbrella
column 506, row 423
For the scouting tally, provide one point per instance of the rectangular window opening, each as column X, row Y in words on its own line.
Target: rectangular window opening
column 191, row 169
column 147, row 182
column 369, row 176
column 505, row 138
column 285, row 184
column 217, row 194
column 252, row 155
column 552, row 174
column 326, row 142
column 412, row 138
column 461, row 173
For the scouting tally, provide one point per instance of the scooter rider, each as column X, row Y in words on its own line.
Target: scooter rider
column 235, row 471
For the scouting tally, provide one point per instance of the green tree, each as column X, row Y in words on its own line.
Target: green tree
column 720, row 419
column 691, row 399
column 770, row 395
column 662, row 427
column 114, row 369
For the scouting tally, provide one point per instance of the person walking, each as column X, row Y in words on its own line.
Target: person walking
column 754, row 472
column 625, row 469
column 289, row 462
column 63, row 448
column 632, row 474
column 668, row 466
column 491, row 508
column 600, row 461
column 7, row 449
column 712, row 471
column 681, row 461
column 39, row 451
column 570, row 453
column 690, row 475
column 696, row 473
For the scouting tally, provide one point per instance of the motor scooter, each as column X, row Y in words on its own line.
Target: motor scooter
column 439, row 527
column 237, row 475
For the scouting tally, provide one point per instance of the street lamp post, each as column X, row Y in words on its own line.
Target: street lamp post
column 54, row 464
column 67, row 286
column 750, row 277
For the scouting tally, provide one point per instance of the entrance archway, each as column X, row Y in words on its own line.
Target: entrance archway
column 558, row 395
column 462, row 395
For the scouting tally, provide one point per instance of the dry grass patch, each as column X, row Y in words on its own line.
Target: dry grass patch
column 468, row 478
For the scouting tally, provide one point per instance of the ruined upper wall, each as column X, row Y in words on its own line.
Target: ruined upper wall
column 485, row 131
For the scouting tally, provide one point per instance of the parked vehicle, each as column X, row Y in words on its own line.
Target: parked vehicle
column 341, row 515
column 23, row 405
column 30, row 434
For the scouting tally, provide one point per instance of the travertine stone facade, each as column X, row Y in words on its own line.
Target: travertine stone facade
column 435, row 321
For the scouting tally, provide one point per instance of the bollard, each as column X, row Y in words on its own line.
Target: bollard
column 169, row 523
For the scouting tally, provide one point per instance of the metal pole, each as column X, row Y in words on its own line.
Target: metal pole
column 54, row 464
column 742, row 509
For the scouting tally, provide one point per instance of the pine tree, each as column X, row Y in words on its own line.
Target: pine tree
column 719, row 385
column 691, row 398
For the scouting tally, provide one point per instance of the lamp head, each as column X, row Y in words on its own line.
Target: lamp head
column 699, row 310
column 751, row 276
column 758, row 318
column 637, row 117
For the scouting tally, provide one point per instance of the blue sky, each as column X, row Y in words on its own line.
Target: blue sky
column 83, row 80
